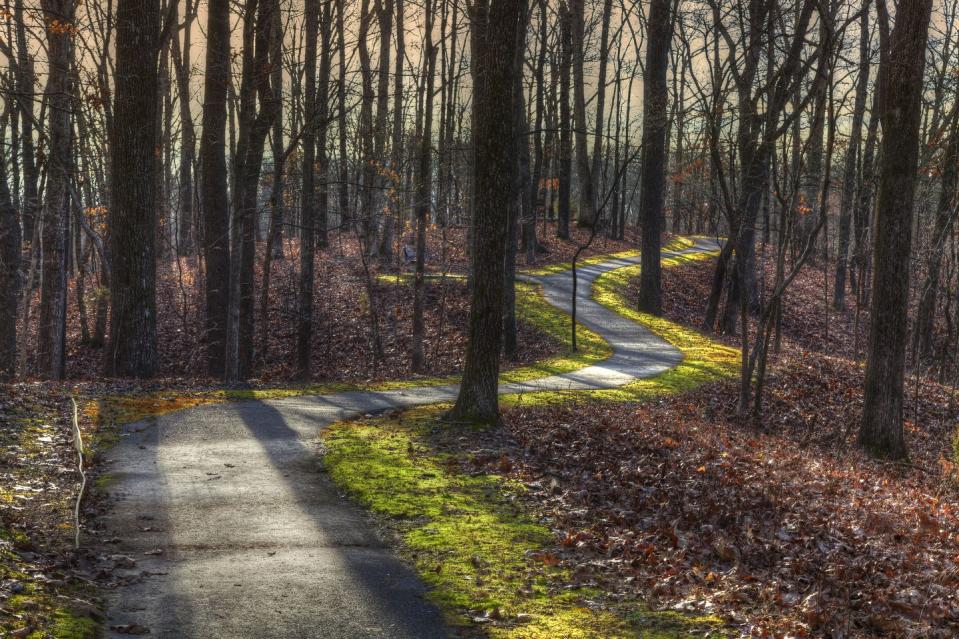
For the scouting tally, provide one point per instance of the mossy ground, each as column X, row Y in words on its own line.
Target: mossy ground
column 39, row 512
column 39, row 609
column 483, row 554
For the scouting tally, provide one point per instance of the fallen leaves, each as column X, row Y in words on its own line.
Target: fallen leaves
column 783, row 532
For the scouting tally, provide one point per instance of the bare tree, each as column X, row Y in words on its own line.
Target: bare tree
column 132, row 349
column 215, row 200
column 59, row 15
column 901, row 64
column 655, row 127
column 496, row 25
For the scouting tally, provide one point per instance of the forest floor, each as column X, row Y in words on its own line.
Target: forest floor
column 785, row 529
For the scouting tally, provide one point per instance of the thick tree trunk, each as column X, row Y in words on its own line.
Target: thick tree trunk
column 214, row 194
column 132, row 350
column 304, row 324
column 367, row 169
column 900, row 91
column 493, row 167
column 534, row 197
column 587, row 185
column 315, row 199
column 379, row 244
column 655, row 124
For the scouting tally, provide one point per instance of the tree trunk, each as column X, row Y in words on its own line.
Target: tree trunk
column 423, row 188
column 343, row 193
column 214, row 193
column 900, row 91
column 945, row 219
column 25, row 103
column 519, row 199
column 132, row 349
column 493, row 166
column 256, row 86
column 852, row 160
column 51, row 334
column 655, row 123
column 10, row 240
column 565, row 122
column 183, row 64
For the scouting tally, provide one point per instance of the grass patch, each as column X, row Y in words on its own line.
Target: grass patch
column 676, row 244
column 484, row 557
column 704, row 360
column 532, row 308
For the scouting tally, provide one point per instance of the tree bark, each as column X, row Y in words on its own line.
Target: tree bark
column 255, row 123
column 423, row 188
column 132, row 349
column 51, row 334
column 655, row 125
column 183, row 66
column 10, row 241
column 493, row 167
column 214, row 194
column 851, row 162
column 565, row 122
column 900, row 90
column 945, row 219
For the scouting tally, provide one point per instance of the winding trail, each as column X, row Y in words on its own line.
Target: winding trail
column 238, row 534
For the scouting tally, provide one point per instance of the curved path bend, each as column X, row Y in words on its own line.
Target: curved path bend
column 237, row 533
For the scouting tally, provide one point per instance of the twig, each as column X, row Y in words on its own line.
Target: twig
column 78, row 444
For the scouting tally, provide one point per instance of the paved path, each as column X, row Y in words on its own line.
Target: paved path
column 238, row 534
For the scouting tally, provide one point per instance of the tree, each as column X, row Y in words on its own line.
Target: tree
column 655, row 127
column 216, row 248
column 259, row 106
column 588, row 169
column 565, row 120
column 182, row 60
column 132, row 349
column 901, row 65
column 424, row 185
column 945, row 218
column 59, row 15
column 10, row 239
column 852, row 159
column 496, row 25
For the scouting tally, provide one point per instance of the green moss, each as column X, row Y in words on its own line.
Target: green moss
column 704, row 360
column 481, row 552
column 37, row 606
column 67, row 625
column 104, row 481
column 676, row 244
